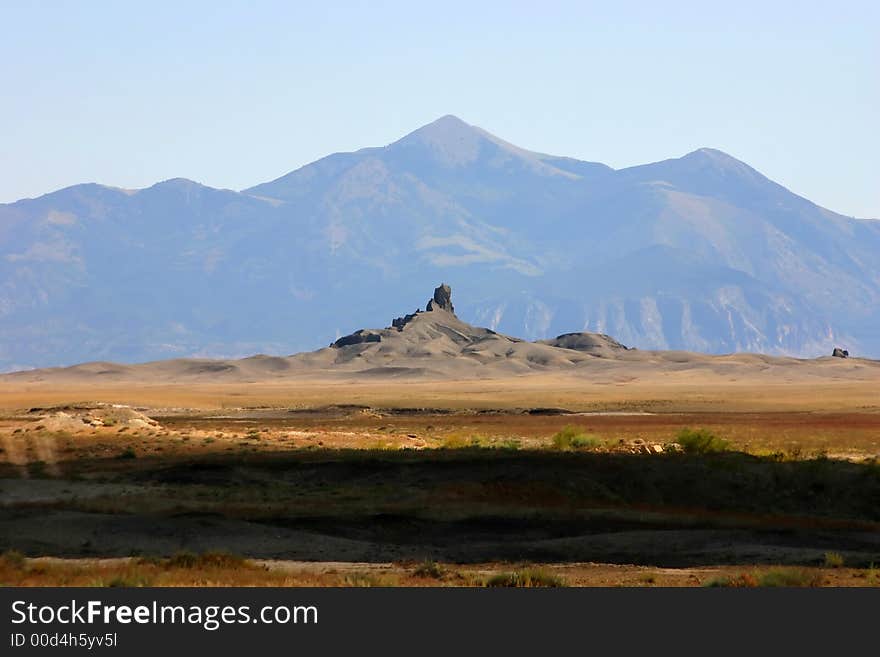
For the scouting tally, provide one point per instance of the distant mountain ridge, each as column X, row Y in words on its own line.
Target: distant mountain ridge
column 700, row 252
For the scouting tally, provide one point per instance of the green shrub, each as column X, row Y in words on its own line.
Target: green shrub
column 770, row 578
column 570, row 437
column 430, row 569
column 701, row 441
column 834, row 560
column 790, row 577
column 526, row 578
column 454, row 441
column 586, row 442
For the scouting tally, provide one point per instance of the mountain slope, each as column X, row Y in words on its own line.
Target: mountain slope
column 700, row 252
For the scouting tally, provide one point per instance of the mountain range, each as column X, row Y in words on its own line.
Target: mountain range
column 698, row 253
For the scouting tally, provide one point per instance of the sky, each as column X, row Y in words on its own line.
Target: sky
column 232, row 94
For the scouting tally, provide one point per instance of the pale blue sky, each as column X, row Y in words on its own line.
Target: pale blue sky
column 236, row 93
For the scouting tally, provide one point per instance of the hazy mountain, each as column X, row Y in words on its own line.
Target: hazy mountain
column 700, row 252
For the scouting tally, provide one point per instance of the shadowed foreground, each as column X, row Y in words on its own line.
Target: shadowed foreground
column 465, row 505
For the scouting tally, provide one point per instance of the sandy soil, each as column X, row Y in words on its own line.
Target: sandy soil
column 650, row 392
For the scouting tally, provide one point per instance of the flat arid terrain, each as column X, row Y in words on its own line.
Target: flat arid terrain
column 573, row 461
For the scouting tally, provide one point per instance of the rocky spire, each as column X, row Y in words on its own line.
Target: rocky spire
column 442, row 299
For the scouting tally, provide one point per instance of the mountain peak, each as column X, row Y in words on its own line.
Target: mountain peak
column 178, row 183
column 180, row 186
column 704, row 168
column 452, row 142
column 449, row 138
column 715, row 156
column 445, row 130
column 449, row 120
column 711, row 161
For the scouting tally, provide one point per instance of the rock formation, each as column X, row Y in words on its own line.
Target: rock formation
column 435, row 340
column 442, row 299
column 400, row 322
column 584, row 342
column 358, row 337
column 840, row 353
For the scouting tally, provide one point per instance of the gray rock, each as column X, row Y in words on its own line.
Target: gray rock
column 400, row 322
column 442, row 299
column 840, row 353
column 358, row 337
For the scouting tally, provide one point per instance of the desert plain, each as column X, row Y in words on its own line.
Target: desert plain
column 544, row 478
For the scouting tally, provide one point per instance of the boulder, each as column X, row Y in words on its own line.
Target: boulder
column 840, row 353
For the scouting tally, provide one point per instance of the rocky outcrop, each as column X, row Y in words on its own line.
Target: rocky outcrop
column 585, row 342
column 92, row 416
column 840, row 353
column 435, row 340
column 400, row 322
column 442, row 299
column 358, row 337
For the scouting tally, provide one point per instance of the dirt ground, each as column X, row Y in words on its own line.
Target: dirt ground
column 685, row 391
column 351, row 483
column 45, row 571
